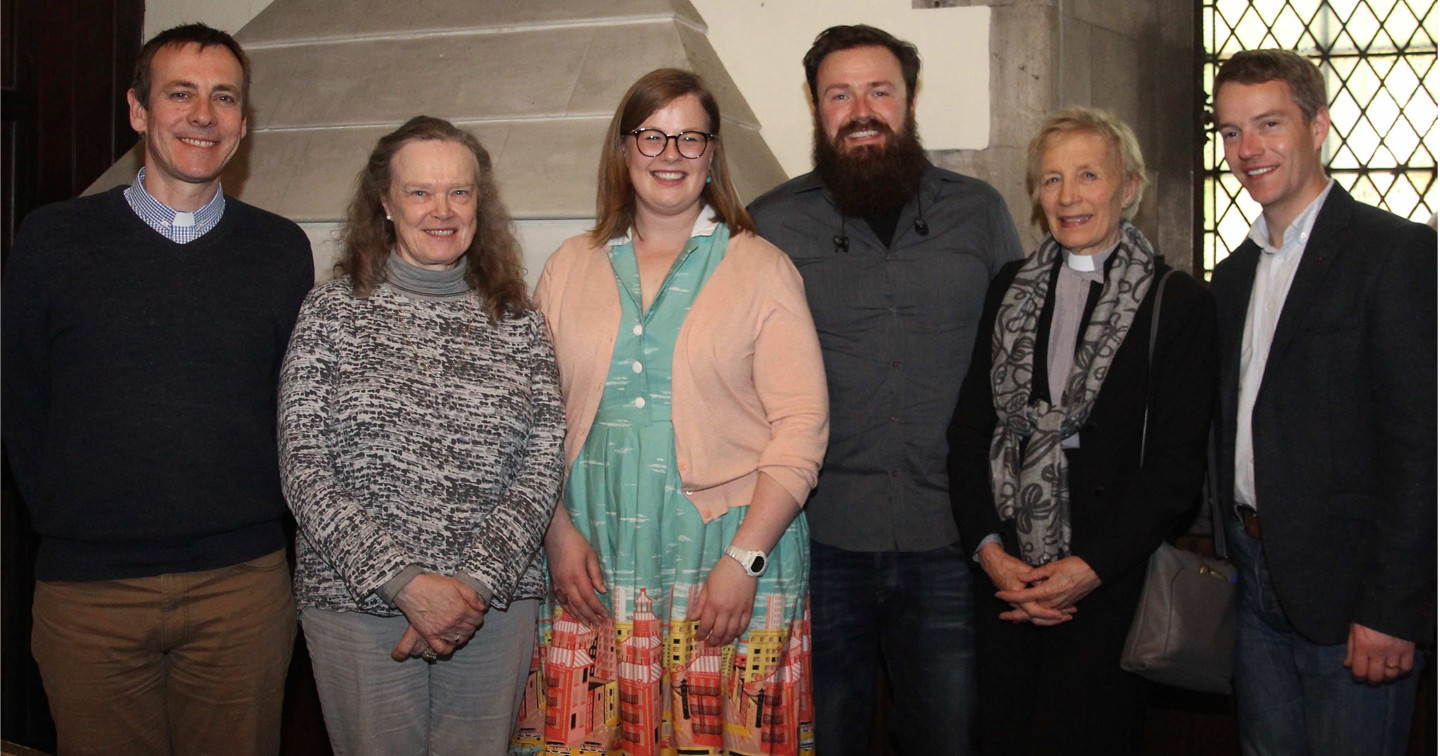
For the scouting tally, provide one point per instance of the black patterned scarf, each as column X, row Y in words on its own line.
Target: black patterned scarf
column 1033, row 489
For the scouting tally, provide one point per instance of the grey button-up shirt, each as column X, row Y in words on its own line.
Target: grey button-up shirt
column 896, row 326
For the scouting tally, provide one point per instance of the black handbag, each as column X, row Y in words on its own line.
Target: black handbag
column 1184, row 628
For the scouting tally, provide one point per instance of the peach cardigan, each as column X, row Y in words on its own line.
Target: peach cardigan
column 748, row 383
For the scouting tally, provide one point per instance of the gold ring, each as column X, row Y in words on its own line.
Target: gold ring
column 1392, row 666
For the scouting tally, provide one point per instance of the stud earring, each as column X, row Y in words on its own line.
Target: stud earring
column 707, row 179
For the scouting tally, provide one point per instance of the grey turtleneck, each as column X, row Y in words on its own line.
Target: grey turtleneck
column 422, row 283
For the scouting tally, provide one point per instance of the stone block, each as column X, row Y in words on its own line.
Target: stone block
column 289, row 21
column 384, row 81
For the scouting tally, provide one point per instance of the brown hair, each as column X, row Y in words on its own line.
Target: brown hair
column 838, row 38
column 615, row 198
column 180, row 36
column 1307, row 85
column 1101, row 123
column 493, row 262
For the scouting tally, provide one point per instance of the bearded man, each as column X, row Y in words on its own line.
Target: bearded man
column 896, row 255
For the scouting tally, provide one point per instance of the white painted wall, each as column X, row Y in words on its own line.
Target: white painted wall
column 761, row 43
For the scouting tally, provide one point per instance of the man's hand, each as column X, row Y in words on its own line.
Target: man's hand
column 443, row 610
column 1375, row 657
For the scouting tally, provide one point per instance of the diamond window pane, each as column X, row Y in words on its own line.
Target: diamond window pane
column 1401, row 196
column 1401, row 24
column 1382, row 112
column 1362, row 26
column 1287, row 26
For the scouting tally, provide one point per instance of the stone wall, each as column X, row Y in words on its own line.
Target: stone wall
column 1136, row 58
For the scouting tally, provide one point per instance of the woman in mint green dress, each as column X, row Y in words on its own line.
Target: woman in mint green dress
column 697, row 419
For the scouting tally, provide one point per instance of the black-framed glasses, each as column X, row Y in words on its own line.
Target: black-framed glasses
column 690, row 144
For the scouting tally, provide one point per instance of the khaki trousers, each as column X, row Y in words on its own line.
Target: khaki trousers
column 184, row 663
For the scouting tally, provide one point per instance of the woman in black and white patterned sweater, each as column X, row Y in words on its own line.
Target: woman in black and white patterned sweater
column 420, row 432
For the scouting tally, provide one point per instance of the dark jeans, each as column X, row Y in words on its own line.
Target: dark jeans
column 911, row 610
column 1295, row 696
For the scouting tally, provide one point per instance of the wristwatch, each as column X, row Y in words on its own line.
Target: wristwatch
column 752, row 560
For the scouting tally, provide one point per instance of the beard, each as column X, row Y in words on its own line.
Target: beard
column 873, row 179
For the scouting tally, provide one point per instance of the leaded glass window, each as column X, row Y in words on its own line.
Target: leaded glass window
column 1378, row 59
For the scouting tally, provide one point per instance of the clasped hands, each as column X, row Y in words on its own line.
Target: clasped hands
column 444, row 614
column 1044, row 595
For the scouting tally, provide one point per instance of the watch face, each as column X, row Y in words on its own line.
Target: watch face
column 757, row 565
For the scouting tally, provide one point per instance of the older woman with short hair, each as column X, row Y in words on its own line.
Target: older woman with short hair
column 698, row 415
column 420, row 431
column 1074, row 450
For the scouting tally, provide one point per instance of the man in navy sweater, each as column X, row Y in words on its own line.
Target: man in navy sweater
column 143, row 331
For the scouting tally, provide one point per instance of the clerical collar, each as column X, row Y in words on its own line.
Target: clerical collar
column 1089, row 263
column 177, row 226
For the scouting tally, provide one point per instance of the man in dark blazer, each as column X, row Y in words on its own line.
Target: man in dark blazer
column 1326, row 436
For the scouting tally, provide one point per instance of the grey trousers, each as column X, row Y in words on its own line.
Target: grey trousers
column 464, row 705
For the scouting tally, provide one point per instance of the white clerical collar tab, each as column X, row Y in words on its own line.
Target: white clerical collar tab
column 1088, row 263
column 183, row 220
column 1080, row 263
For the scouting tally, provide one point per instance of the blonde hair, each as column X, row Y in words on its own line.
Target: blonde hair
column 1102, row 123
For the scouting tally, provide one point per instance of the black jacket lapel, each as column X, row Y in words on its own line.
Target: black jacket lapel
column 1320, row 252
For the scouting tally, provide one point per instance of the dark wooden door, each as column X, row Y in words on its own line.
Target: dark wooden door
column 64, row 69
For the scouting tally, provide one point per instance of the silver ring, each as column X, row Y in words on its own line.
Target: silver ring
column 430, row 656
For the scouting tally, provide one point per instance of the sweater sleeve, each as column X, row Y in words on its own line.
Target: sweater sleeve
column 331, row 519
column 26, row 361
column 502, row 549
column 790, row 382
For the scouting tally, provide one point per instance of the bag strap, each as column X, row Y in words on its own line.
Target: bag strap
column 1211, row 487
column 1212, row 498
column 1150, row 356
